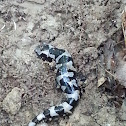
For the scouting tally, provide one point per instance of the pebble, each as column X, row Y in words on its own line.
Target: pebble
column 12, row 102
column 122, row 112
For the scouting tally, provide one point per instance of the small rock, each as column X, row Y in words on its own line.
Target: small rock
column 122, row 112
column 28, row 115
column 12, row 102
column 105, row 117
column 121, row 73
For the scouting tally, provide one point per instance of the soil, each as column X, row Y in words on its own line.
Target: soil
column 79, row 26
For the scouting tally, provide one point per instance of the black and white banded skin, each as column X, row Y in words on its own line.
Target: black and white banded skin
column 65, row 79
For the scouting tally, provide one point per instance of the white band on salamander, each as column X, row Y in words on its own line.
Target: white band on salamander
column 40, row 116
column 31, row 124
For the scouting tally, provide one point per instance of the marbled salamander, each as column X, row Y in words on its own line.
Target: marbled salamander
column 65, row 79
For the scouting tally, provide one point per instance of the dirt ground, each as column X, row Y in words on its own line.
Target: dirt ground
column 79, row 26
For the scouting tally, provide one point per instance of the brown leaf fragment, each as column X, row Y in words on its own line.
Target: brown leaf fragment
column 101, row 81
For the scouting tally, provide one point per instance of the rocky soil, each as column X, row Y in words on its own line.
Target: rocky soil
column 27, row 84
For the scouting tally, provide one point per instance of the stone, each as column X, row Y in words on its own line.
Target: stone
column 12, row 102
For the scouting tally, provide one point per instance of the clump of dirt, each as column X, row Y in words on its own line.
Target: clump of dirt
column 82, row 28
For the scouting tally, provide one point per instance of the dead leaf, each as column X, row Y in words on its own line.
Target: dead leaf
column 101, row 81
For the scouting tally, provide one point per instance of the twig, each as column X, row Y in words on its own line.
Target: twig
column 124, row 24
column 15, row 27
column 3, row 27
column 108, row 72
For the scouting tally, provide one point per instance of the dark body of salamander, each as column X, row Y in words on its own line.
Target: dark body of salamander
column 65, row 79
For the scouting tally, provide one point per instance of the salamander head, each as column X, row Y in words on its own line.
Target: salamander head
column 42, row 52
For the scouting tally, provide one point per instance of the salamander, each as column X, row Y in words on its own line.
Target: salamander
column 65, row 80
